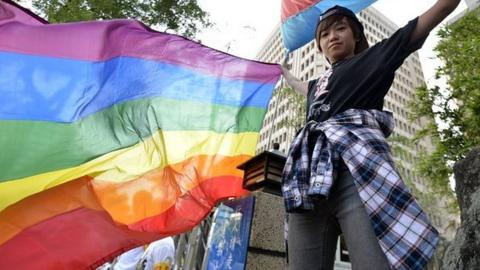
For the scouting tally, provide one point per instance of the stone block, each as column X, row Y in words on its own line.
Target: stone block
column 257, row 261
column 463, row 253
column 267, row 230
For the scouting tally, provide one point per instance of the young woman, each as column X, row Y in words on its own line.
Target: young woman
column 339, row 176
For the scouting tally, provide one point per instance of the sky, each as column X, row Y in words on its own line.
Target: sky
column 241, row 26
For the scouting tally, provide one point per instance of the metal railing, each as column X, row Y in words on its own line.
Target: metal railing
column 191, row 246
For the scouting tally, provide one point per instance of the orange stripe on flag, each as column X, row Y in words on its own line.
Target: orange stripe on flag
column 129, row 202
column 44, row 205
column 132, row 201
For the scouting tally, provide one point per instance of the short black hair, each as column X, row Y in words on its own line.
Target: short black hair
column 357, row 32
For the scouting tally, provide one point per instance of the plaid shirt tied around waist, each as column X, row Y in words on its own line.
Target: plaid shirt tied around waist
column 403, row 230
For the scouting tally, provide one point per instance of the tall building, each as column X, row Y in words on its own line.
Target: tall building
column 307, row 63
column 471, row 4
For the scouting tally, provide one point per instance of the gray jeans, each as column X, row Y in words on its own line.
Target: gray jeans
column 312, row 236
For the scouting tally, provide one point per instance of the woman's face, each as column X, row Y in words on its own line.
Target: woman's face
column 337, row 41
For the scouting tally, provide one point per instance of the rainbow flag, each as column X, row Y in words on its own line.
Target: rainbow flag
column 299, row 18
column 114, row 135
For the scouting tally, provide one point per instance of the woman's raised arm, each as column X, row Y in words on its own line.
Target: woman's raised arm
column 428, row 20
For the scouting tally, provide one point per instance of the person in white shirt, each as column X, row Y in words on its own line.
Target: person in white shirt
column 129, row 260
column 160, row 255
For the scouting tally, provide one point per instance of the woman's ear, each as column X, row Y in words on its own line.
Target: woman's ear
column 318, row 46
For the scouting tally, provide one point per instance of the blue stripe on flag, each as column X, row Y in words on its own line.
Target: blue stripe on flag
column 64, row 90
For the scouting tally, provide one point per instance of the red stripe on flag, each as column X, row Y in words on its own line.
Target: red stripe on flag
column 85, row 238
column 293, row 7
column 80, row 239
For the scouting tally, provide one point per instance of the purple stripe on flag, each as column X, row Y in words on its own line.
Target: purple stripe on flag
column 103, row 40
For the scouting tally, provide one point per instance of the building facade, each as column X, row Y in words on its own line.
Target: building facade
column 471, row 4
column 307, row 63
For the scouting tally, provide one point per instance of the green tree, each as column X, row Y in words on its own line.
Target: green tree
column 457, row 107
column 296, row 104
column 184, row 17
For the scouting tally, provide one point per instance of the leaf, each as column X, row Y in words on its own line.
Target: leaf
column 184, row 17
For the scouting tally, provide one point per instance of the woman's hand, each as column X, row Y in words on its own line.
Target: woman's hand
column 296, row 84
column 285, row 66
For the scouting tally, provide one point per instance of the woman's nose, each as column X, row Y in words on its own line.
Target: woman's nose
column 332, row 36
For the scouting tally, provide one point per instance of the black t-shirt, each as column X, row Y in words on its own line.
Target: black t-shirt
column 362, row 81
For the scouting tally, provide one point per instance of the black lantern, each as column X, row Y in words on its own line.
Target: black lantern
column 264, row 172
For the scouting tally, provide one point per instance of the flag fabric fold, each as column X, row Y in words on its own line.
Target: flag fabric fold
column 115, row 135
column 299, row 18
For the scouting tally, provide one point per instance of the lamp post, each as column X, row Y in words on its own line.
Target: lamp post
column 263, row 172
column 263, row 176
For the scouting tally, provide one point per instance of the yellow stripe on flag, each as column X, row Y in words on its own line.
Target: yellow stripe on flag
column 162, row 149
